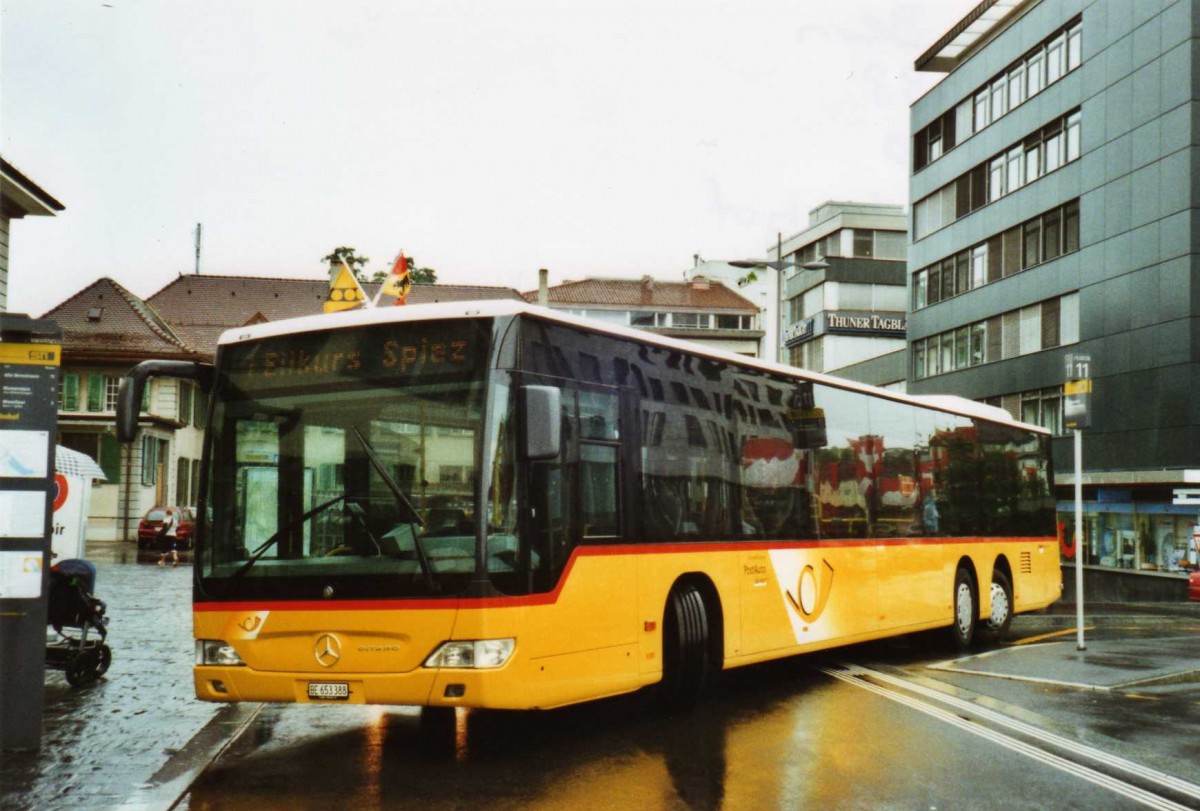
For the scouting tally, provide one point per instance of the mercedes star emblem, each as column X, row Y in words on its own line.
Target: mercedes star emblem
column 328, row 650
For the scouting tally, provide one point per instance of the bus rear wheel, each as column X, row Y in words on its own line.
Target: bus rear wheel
column 995, row 628
column 687, row 660
column 966, row 610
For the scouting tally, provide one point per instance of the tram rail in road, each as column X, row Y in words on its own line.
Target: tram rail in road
column 1152, row 788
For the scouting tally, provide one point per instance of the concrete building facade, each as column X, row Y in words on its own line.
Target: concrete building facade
column 1054, row 181
column 847, row 318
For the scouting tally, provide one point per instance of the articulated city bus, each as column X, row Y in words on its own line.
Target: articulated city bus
column 495, row 505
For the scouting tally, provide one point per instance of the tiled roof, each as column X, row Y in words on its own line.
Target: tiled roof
column 188, row 315
column 201, row 307
column 105, row 319
column 648, row 294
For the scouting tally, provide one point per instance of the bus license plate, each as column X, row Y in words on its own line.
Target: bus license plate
column 328, row 690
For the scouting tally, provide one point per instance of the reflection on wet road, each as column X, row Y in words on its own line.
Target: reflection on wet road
column 779, row 736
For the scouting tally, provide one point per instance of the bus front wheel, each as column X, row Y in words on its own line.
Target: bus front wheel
column 995, row 628
column 966, row 609
column 687, row 661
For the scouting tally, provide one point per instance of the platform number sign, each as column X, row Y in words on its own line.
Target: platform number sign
column 1077, row 392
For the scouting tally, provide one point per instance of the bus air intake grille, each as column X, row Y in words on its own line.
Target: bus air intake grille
column 1026, row 563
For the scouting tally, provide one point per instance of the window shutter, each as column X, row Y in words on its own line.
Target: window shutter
column 95, row 392
column 1012, row 334
column 70, row 391
column 995, row 331
column 110, row 458
column 1050, row 324
column 149, row 460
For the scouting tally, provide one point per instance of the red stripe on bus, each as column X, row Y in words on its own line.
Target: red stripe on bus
column 551, row 597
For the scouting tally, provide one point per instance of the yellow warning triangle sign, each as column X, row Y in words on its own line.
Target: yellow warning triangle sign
column 345, row 292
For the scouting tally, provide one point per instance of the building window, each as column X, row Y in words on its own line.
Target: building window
column 1075, row 46
column 1038, row 240
column 1045, row 325
column 981, row 110
column 1043, row 407
column 1068, row 319
column 996, row 180
column 690, row 320
column 735, row 322
column 1031, row 329
column 1033, row 239
column 1037, row 69
column 864, row 243
column 1073, row 127
column 1016, row 84
column 1046, row 150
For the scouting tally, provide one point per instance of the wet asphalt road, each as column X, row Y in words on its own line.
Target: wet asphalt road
column 787, row 735
column 808, row 733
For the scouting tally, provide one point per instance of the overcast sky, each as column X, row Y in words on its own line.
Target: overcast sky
column 486, row 139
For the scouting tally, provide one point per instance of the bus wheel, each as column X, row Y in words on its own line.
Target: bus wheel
column 687, row 662
column 995, row 628
column 966, row 609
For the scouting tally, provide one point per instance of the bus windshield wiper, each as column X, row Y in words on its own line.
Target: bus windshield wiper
column 284, row 530
column 403, row 500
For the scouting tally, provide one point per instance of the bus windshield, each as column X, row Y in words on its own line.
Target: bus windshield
column 343, row 464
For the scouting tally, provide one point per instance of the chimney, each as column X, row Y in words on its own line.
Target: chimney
column 700, row 283
column 648, row 282
column 543, row 287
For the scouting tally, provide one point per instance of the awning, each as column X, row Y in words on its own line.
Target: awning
column 74, row 463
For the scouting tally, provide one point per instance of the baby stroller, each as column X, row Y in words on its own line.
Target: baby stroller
column 74, row 607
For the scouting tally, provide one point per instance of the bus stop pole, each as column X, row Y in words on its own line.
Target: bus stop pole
column 1079, row 537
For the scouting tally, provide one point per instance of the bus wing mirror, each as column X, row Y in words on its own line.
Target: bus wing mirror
column 543, row 422
column 133, row 388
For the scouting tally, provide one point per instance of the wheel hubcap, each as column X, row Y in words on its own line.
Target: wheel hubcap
column 964, row 608
column 999, row 606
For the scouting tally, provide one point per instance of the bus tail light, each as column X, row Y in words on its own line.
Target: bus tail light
column 472, row 653
column 217, row 652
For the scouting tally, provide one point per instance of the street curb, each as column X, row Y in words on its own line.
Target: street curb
column 171, row 783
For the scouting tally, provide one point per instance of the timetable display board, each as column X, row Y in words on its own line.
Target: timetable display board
column 30, row 357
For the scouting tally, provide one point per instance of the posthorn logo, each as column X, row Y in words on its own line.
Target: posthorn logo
column 812, row 591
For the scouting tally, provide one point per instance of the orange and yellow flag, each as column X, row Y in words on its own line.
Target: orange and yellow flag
column 398, row 282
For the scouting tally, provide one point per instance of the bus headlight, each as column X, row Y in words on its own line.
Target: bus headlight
column 216, row 652
column 472, row 653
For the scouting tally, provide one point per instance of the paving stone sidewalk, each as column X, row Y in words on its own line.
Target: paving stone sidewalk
column 102, row 744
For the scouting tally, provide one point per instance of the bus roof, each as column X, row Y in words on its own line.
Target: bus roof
column 493, row 308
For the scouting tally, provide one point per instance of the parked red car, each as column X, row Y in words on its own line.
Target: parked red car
column 152, row 523
column 1194, row 586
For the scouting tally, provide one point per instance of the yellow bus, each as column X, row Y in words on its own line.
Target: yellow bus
column 495, row 505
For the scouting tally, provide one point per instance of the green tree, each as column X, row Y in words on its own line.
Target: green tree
column 422, row 275
column 350, row 256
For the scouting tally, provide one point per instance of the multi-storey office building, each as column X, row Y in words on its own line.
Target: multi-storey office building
column 1053, row 178
column 848, row 317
